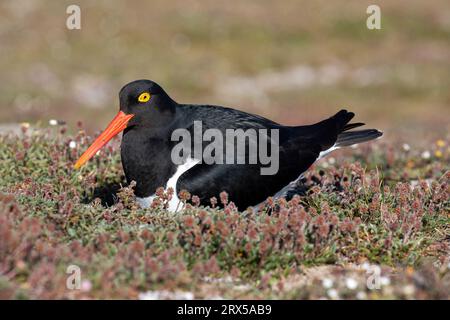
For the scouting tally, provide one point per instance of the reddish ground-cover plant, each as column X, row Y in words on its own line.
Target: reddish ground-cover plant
column 371, row 206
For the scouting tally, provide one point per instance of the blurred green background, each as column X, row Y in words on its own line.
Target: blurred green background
column 295, row 62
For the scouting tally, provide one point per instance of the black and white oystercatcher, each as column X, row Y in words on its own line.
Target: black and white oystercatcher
column 149, row 117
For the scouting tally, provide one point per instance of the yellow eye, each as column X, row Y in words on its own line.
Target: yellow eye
column 144, row 97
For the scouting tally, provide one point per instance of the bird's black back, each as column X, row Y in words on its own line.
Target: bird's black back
column 299, row 147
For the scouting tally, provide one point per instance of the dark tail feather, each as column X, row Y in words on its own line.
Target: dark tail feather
column 326, row 131
column 353, row 137
column 340, row 119
column 334, row 131
column 351, row 126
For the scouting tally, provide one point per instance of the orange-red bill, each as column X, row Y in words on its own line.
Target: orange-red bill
column 117, row 125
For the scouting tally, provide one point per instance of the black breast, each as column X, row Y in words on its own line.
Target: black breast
column 146, row 160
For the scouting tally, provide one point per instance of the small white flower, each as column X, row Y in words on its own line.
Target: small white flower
column 351, row 283
column 409, row 290
column 406, row 147
column 426, row 154
column 324, row 165
column 150, row 295
column 164, row 295
column 361, row 295
column 327, row 283
column 331, row 160
column 183, row 296
column 53, row 122
column 365, row 266
column 354, row 146
column 72, row 144
column 333, row 294
column 385, row 281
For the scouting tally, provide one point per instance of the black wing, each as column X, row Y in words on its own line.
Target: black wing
column 299, row 147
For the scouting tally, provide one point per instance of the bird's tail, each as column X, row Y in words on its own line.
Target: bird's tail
column 334, row 133
column 348, row 138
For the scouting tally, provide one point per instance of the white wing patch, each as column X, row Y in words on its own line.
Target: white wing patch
column 174, row 203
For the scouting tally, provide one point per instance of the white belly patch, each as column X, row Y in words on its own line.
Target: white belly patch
column 174, row 203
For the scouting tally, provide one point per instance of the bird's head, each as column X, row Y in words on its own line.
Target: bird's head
column 143, row 103
column 147, row 102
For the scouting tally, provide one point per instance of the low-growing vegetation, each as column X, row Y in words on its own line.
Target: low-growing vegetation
column 380, row 209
